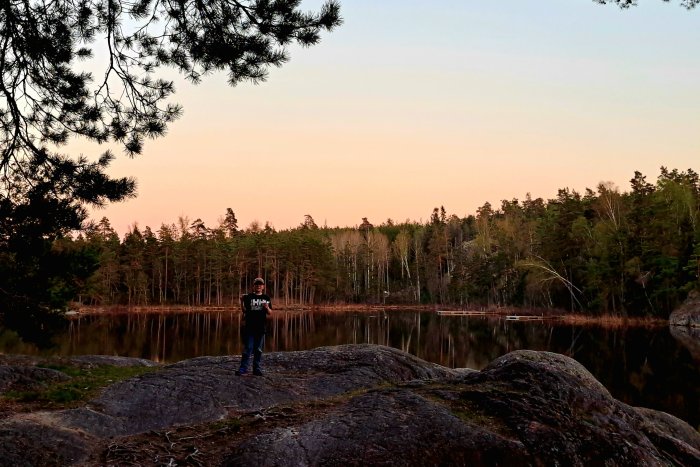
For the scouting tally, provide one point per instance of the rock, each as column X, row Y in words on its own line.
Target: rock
column 89, row 361
column 526, row 408
column 24, row 378
column 383, row 427
column 688, row 314
column 82, row 361
column 19, row 373
column 669, row 425
column 205, row 388
column 689, row 338
column 565, row 417
column 360, row 405
column 27, row 441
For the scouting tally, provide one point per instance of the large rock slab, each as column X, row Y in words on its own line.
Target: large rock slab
column 526, row 408
column 688, row 314
column 383, row 427
column 563, row 414
column 360, row 405
column 205, row 389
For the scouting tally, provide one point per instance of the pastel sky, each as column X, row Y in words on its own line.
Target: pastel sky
column 414, row 104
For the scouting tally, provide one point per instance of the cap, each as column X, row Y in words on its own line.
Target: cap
column 259, row 280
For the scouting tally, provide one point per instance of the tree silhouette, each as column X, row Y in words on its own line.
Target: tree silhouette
column 47, row 97
column 628, row 3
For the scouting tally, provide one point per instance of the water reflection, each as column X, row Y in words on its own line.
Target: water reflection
column 646, row 367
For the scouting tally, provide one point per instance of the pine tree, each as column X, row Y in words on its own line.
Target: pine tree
column 46, row 98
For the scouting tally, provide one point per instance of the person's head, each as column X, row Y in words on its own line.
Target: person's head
column 259, row 284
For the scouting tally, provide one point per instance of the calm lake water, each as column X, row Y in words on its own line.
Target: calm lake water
column 640, row 366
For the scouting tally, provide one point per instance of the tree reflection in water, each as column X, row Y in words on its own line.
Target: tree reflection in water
column 640, row 366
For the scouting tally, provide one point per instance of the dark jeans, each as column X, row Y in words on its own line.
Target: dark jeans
column 252, row 344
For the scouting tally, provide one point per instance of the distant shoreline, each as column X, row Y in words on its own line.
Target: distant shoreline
column 514, row 314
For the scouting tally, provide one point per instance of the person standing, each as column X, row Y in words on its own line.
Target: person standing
column 256, row 307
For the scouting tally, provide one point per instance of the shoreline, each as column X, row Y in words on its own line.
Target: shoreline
column 510, row 314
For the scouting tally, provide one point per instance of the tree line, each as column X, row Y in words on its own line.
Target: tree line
column 49, row 97
column 601, row 251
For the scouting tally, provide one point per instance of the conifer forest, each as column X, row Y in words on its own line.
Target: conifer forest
column 632, row 252
column 608, row 250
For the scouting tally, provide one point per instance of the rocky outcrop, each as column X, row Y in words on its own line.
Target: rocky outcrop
column 685, row 324
column 19, row 377
column 355, row 405
column 687, row 314
column 688, row 337
column 22, row 373
column 205, row 389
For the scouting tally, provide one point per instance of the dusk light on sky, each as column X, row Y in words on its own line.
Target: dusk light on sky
column 410, row 105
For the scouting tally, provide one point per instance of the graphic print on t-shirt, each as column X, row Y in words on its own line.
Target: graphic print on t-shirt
column 255, row 313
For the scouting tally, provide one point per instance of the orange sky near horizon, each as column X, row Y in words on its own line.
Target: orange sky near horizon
column 457, row 106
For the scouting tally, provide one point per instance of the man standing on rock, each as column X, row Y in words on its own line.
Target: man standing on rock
column 256, row 307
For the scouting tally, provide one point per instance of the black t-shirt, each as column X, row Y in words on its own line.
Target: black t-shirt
column 255, row 313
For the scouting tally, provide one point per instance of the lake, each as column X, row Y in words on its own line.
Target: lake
column 639, row 365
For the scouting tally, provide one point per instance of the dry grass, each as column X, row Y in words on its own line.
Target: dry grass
column 579, row 319
column 325, row 308
column 610, row 321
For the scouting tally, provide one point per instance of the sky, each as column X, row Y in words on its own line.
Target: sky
column 411, row 105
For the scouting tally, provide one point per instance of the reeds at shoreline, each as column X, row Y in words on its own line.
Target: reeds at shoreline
column 508, row 313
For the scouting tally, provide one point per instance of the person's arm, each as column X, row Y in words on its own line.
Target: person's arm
column 268, row 307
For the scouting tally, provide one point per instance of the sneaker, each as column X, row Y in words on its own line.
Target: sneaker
column 257, row 372
column 240, row 373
